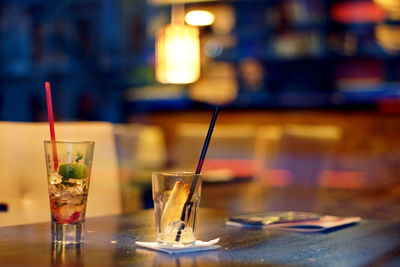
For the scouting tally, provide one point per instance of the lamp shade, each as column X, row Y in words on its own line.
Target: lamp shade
column 178, row 54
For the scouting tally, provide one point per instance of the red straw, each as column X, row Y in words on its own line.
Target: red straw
column 51, row 123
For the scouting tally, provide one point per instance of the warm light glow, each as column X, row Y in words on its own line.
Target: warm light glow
column 219, row 75
column 392, row 7
column 388, row 37
column 199, row 18
column 172, row 2
column 178, row 54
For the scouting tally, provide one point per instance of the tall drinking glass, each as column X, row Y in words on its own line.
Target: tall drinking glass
column 175, row 213
column 68, row 185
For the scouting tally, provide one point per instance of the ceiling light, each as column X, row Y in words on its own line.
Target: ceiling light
column 199, row 18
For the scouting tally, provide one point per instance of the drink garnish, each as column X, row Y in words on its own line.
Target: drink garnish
column 66, row 171
column 175, row 204
column 67, row 201
column 73, row 170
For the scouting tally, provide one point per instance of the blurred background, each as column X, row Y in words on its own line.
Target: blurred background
column 309, row 90
column 100, row 56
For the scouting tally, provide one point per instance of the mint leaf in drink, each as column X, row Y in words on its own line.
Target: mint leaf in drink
column 65, row 183
column 79, row 156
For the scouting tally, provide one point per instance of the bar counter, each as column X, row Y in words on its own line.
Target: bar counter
column 110, row 241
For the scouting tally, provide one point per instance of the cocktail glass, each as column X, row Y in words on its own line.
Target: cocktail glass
column 175, row 213
column 68, row 185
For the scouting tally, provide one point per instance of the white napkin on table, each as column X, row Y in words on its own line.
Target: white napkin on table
column 197, row 246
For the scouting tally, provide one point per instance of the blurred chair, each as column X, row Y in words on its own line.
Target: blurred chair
column 342, row 179
column 230, row 153
column 141, row 150
column 23, row 170
column 140, row 144
column 296, row 154
column 268, row 140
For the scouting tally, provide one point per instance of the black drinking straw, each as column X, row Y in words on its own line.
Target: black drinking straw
column 198, row 171
column 206, row 142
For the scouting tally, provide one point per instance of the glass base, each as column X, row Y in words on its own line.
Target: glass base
column 187, row 238
column 67, row 233
column 175, row 244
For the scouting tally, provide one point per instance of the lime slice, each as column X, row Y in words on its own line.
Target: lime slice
column 72, row 170
column 79, row 171
column 66, row 171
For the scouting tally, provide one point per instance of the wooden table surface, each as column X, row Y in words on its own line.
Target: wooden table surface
column 110, row 241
